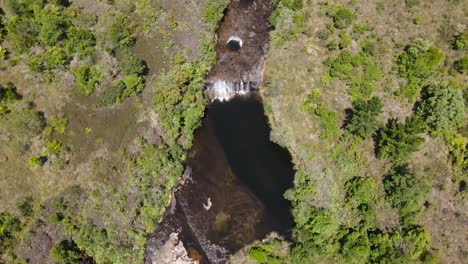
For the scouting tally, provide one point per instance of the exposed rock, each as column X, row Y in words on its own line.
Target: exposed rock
column 172, row 252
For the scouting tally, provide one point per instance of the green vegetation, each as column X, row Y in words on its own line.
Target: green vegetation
column 52, row 25
column 18, row 118
column 10, row 226
column 358, row 71
column 406, row 192
column 87, row 79
column 214, row 12
column 289, row 16
column 65, row 252
column 342, row 16
column 461, row 65
column 460, row 41
column 327, row 117
column 442, row 107
column 418, row 63
column 398, row 141
column 363, row 121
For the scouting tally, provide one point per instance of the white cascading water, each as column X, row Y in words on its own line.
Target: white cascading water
column 224, row 90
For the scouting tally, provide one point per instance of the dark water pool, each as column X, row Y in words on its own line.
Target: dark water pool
column 264, row 167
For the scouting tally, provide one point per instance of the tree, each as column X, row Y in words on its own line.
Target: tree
column 65, row 252
column 406, row 192
column 87, row 79
column 397, row 141
column 442, row 107
column 462, row 65
column 417, row 63
column 342, row 16
column 363, row 121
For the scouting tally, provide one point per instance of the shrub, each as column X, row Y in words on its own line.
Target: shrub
column 458, row 147
column 36, row 161
column 3, row 53
column 417, row 63
column 80, row 40
column 9, row 226
column 132, row 65
column 214, row 12
column 359, row 71
column 53, row 147
column 22, row 124
column 342, row 16
column 65, row 252
column 406, row 192
column 363, row 121
column 442, row 107
column 360, row 190
column 462, row 65
column 132, row 84
column 398, row 141
column 56, row 125
column 119, row 35
column 460, row 42
column 87, row 79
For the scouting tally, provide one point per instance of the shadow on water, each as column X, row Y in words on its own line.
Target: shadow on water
column 264, row 167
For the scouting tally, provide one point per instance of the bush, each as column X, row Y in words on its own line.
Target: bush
column 132, row 65
column 342, row 16
column 406, row 192
column 87, row 79
column 359, row 71
column 460, row 42
column 65, row 252
column 9, row 226
column 360, row 191
column 119, row 35
column 36, row 161
column 22, row 124
column 363, row 121
column 442, row 107
column 462, row 65
column 398, row 141
column 214, row 12
column 417, row 63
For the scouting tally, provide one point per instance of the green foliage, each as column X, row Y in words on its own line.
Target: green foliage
column 3, row 53
column 214, row 12
column 458, row 147
column 363, row 121
column 87, row 78
column 398, row 141
column 132, row 65
column 65, row 252
column 460, row 41
column 327, row 117
column 416, row 239
column 268, row 253
column 22, row 123
column 417, row 63
column 36, row 161
column 52, row 26
column 360, row 191
column 406, row 192
column 53, row 147
column 9, row 227
column 129, row 85
column 442, row 107
column 288, row 19
column 119, row 34
column 359, row 71
column 342, row 16
column 345, row 40
column 462, row 65
column 56, row 125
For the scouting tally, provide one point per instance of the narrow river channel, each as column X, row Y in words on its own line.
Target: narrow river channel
column 235, row 178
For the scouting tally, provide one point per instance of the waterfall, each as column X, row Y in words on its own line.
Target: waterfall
column 225, row 90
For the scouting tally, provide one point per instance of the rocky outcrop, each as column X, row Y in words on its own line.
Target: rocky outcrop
column 172, row 252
